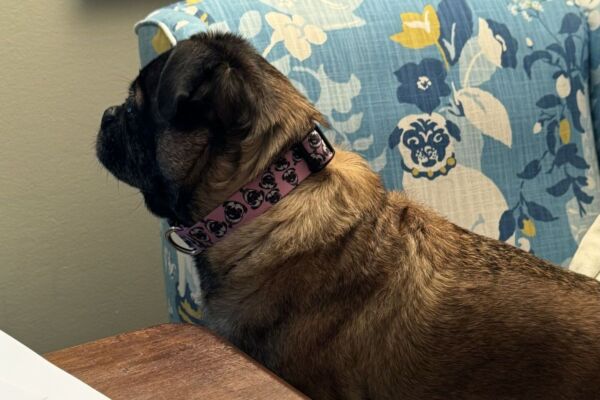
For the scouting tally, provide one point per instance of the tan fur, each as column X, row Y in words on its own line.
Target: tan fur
column 351, row 292
column 381, row 298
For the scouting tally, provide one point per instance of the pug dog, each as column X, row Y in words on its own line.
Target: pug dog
column 341, row 288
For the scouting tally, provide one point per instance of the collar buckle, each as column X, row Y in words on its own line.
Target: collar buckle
column 316, row 150
column 193, row 251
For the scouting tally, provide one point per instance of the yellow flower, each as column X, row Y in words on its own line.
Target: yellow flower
column 192, row 1
column 296, row 34
column 528, row 227
column 565, row 131
column 419, row 30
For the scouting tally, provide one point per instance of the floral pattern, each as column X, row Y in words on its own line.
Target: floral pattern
column 420, row 29
column 327, row 14
column 526, row 8
column 480, row 109
column 497, row 44
column 474, row 58
column 296, row 34
column 423, row 84
column 560, row 113
column 591, row 9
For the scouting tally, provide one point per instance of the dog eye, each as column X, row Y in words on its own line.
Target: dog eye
column 130, row 115
column 438, row 138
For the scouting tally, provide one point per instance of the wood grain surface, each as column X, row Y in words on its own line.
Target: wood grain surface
column 171, row 361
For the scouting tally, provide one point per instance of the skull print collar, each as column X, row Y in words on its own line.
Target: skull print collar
column 309, row 156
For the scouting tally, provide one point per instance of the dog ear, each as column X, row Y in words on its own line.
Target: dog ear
column 201, row 79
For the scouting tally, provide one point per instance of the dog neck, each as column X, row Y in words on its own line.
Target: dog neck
column 313, row 217
column 302, row 160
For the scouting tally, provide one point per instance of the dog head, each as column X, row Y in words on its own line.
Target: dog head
column 201, row 120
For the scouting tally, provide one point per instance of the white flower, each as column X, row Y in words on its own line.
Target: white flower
column 529, row 42
column 537, row 6
column 526, row 4
column 527, row 8
column 563, row 86
column 295, row 33
column 537, row 128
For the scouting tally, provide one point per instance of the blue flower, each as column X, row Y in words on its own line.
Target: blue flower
column 498, row 45
column 423, row 84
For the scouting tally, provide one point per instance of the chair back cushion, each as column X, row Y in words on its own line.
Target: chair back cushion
column 481, row 109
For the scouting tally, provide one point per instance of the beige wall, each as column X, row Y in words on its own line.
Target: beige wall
column 79, row 254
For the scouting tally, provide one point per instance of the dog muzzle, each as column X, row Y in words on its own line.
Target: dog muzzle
column 308, row 157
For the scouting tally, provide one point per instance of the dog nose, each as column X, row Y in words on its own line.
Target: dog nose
column 110, row 114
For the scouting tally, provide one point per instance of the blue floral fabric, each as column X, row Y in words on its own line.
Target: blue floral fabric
column 486, row 110
column 423, row 84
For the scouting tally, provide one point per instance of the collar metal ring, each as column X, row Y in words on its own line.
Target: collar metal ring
column 169, row 236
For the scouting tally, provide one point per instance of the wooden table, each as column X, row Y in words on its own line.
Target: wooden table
column 170, row 362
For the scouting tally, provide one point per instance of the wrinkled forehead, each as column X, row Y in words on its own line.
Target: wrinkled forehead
column 146, row 83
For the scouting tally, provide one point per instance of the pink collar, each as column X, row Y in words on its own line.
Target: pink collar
column 288, row 171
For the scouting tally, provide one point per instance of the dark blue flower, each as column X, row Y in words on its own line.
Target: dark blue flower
column 423, row 84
